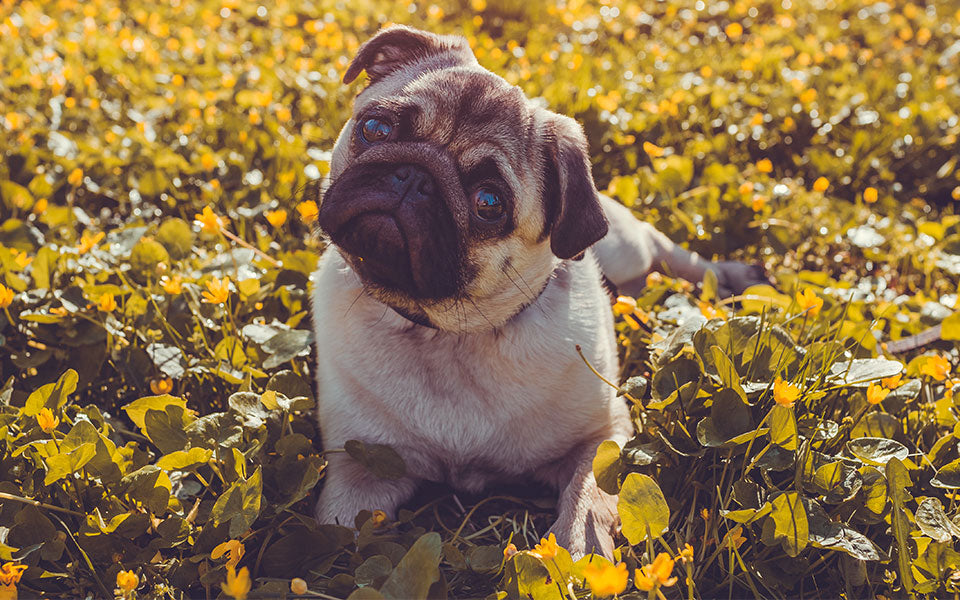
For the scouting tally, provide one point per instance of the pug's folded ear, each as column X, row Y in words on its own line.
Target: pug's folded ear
column 574, row 216
column 398, row 46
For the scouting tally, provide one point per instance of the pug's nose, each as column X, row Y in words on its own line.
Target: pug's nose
column 413, row 182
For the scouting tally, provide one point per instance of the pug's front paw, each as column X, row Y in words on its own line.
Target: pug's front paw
column 588, row 526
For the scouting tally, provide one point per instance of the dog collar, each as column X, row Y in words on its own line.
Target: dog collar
column 424, row 321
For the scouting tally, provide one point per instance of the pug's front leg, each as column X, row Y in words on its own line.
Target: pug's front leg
column 349, row 488
column 587, row 516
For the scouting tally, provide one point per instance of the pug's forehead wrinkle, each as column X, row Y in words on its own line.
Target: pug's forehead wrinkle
column 476, row 154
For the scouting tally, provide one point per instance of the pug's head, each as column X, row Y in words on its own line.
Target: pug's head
column 452, row 196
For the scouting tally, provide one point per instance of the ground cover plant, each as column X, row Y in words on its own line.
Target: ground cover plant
column 157, row 190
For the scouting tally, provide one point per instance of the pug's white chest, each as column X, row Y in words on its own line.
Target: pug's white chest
column 468, row 408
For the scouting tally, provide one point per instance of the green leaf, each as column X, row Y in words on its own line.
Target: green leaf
column 643, row 509
column 898, row 482
column 933, row 522
column 51, row 395
column 873, row 491
column 484, row 559
column 876, row 424
column 383, row 461
column 709, row 286
column 863, row 370
column 607, row 467
column 527, row 576
column 68, row 462
column 948, row 476
column 950, row 327
column 375, row 568
column 185, row 460
column 790, row 522
column 137, row 410
column 417, row 570
column 240, row 504
column 783, row 427
column 165, row 428
column 150, row 486
column 877, row 451
column 727, row 371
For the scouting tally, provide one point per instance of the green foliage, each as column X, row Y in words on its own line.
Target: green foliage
column 157, row 377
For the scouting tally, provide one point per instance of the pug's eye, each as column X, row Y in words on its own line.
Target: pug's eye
column 488, row 205
column 374, row 130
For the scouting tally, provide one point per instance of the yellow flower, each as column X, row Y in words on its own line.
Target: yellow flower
column 234, row 549
column 308, row 210
column 40, row 206
column 298, row 586
column 892, row 383
column 379, row 518
column 10, row 573
column 809, row 301
column 547, row 548
column 172, row 285
column 821, row 184
column 708, row 310
column 75, row 177
column 758, row 202
column 765, row 165
column 47, row 421
column 734, row 31
column 784, row 393
column 22, row 259
column 606, row 579
column 870, row 195
column 87, row 242
column 625, row 305
column 735, row 538
column 6, row 296
column 217, row 291
column 653, row 150
column 276, row 217
column 876, row 394
column 209, row 220
column 807, row 97
column 936, row 367
column 656, row 574
column 208, row 161
column 127, row 581
column 107, row 303
column 745, row 188
column 161, row 386
column 955, row 194
column 686, row 555
column 237, row 585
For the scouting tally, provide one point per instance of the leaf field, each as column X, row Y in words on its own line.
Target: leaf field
column 159, row 164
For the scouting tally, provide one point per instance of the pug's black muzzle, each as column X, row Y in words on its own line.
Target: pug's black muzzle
column 395, row 226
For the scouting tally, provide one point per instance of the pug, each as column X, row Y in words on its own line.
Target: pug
column 467, row 259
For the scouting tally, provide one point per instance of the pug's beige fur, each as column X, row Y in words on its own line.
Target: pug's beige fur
column 485, row 386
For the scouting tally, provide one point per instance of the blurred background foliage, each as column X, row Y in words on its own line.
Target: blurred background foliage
column 817, row 137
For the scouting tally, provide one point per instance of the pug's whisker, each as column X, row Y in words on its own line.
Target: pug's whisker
column 529, row 298
column 529, row 289
column 385, row 311
column 363, row 290
column 492, row 326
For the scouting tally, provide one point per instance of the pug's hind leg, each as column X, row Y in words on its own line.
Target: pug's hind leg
column 349, row 488
column 632, row 248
